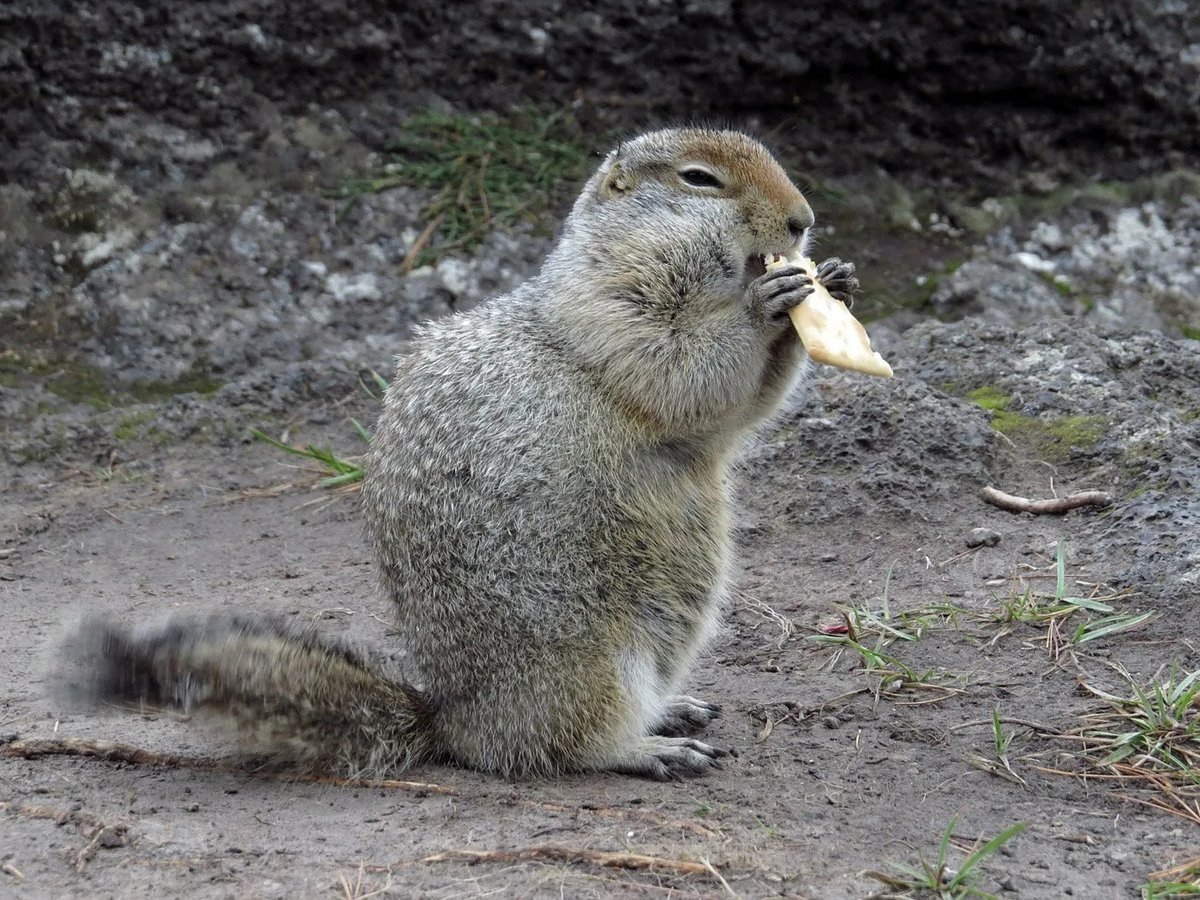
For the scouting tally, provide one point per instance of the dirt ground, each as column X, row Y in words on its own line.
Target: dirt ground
column 839, row 770
column 175, row 268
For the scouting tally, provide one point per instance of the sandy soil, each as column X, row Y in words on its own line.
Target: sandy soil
column 838, row 770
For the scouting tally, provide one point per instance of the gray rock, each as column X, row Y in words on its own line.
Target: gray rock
column 1005, row 292
column 983, row 537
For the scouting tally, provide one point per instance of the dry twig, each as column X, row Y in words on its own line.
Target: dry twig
column 105, row 836
column 114, row 752
column 419, row 244
column 1052, row 506
column 642, row 816
column 1183, row 870
column 634, row 861
column 98, row 832
column 111, row 751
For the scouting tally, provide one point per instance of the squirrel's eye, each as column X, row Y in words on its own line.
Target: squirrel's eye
column 702, row 178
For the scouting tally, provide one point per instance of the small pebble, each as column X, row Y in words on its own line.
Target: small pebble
column 831, row 722
column 111, row 838
column 983, row 537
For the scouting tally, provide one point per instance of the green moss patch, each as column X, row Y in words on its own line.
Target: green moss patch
column 1061, row 285
column 990, row 399
column 1050, row 439
column 132, row 425
column 86, row 385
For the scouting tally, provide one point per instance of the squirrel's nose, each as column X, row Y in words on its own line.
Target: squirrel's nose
column 800, row 220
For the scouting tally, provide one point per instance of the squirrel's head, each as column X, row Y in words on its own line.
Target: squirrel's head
column 720, row 187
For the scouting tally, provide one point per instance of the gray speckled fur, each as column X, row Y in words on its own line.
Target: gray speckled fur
column 547, row 496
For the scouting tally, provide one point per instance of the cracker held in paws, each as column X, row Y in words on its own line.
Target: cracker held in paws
column 830, row 334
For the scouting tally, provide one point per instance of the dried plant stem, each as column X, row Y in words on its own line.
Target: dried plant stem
column 634, row 861
column 1052, row 506
column 111, row 751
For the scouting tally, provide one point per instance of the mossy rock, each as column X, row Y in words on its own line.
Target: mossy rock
column 87, row 385
column 1053, row 439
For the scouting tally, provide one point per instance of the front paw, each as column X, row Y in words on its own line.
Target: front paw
column 770, row 296
column 684, row 715
column 838, row 278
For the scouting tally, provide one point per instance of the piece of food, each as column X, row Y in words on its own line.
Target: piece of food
column 830, row 334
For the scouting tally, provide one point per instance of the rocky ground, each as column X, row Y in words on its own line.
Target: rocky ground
column 179, row 263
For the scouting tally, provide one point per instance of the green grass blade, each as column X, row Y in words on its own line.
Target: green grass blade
column 944, row 846
column 345, row 478
column 1108, row 625
column 1085, row 603
column 343, row 470
column 1060, row 570
column 278, row 445
column 360, row 431
column 984, row 852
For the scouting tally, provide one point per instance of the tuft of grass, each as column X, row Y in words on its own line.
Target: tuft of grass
column 999, row 763
column 990, row 398
column 1100, row 618
column 337, row 471
column 1157, row 727
column 131, row 426
column 485, row 171
column 1161, row 890
column 861, row 624
column 1146, row 742
column 1182, row 880
column 770, row 831
column 938, row 878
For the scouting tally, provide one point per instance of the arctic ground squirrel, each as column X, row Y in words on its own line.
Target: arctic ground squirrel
column 546, row 497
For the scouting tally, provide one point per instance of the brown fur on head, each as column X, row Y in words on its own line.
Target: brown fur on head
column 717, row 164
column 651, row 280
column 684, row 185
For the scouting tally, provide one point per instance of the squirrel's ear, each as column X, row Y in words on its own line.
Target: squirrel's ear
column 616, row 181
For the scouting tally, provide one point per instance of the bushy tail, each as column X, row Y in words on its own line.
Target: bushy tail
column 299, row 702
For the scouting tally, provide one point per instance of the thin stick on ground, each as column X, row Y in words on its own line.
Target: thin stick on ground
column 1185, row 869
column 1052, row 506
column 79, row 817
column 721, row 878
column 106, row 836
column 1007, row 720
column 97, row 832
column 643, row 816
column 354, row 891
column 550, row 853
column 419, row 244
column 110, row 751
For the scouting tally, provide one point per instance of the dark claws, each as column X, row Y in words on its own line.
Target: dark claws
column 770, row 296
column 838, row 278
column 825, row 269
